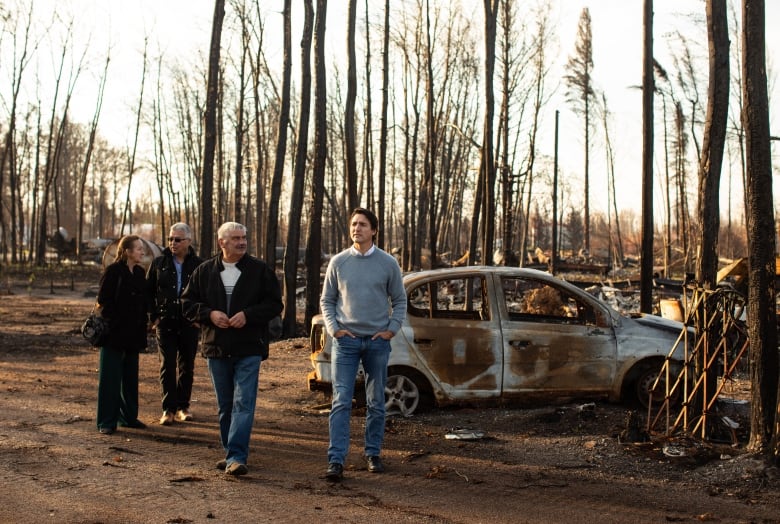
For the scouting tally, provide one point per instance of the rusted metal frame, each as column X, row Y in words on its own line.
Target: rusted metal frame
column 704, row 344
column 665, row 407
column 728, row 323
column 726, row 375
column 728, row 369
column 697, row 298
column 665, row 372
column 701, row 381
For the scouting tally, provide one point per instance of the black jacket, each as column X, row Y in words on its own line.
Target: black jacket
column 164, row 303
column 256, row 293
column 123, row 300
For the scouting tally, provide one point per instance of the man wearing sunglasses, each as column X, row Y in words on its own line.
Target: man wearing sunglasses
column 177, row 338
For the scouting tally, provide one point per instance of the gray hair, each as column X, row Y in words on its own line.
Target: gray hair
column 227, row 227
column 184, row 228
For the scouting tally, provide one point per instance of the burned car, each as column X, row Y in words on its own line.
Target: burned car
column 504, row 334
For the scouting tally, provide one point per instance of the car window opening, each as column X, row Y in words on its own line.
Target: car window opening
column 461, row 298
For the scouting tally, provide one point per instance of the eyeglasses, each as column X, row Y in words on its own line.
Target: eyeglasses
column 176, row 240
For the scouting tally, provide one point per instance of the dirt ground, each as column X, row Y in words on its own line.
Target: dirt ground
column 552, row 464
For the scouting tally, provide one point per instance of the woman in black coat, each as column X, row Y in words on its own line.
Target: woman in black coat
column 122, row 298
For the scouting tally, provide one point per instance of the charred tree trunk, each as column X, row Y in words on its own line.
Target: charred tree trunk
column 240, row 131
column 88, row 159
column 648, row 85
column 383, row 125
column 8, row 151
column 762, row 320
column 296, row 198
column 206, row 204
column 487, row 162
column 127, row 213
column 709, row 171
column 349, row 112
column 281, row 144
column 314, row 242
column 368, row 142
column 714, row 142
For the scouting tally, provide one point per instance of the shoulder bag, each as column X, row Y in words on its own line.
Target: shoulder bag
column 95, row 327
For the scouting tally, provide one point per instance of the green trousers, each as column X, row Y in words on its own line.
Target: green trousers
column 117, row 401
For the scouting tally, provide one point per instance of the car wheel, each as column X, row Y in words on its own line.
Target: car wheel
column 643, row 386
column 404, row 393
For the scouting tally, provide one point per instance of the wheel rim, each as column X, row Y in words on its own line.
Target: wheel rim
column 645, row 387
column 401, row 395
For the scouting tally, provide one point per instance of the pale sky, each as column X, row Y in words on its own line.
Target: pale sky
column 182, row 28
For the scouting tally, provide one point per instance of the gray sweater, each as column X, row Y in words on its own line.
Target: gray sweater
column 356, row 292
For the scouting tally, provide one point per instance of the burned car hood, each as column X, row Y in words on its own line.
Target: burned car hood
column 656, row 322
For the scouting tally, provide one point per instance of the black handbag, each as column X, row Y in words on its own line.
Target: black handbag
column 95, row 328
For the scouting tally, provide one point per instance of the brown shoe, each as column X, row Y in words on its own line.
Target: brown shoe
column 236, row 468
column 166, row 419
column 183, row 415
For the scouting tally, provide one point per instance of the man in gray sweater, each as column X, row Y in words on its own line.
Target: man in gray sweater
column 364, row 304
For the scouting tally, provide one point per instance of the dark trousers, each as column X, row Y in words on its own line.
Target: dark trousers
column 177, row 367
column 117, row 401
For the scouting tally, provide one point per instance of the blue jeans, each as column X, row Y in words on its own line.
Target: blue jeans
column 345, row 358
column 235, row 383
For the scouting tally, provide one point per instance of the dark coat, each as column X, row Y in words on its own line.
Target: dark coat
column 256, row 293
column 164, row 303
column 123, row 301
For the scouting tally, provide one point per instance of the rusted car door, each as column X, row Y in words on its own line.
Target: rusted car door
column 555, row 341
column 457, row 335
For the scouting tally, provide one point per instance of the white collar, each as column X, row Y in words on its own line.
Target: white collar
column 357, row 253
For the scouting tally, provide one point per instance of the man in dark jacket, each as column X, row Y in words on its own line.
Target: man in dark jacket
column 232, row 297
column 177, row 338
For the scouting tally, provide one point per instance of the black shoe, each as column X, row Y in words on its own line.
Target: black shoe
column 335, row 472
column 137, row 424
column 375, row 465
column 222, row 464
column 106, row 431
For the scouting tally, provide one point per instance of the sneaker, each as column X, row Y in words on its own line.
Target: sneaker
column 222, row 464
column 236, row 468
column 335, row 472
column 183, row 415
column 166, row 419
column 375, row 465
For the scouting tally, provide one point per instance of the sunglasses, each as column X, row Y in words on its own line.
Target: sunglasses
column 176, row 240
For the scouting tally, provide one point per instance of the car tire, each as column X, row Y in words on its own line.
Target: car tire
column 645, row 378
column 406, row 392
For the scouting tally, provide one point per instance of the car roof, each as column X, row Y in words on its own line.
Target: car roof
column 410, row 278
